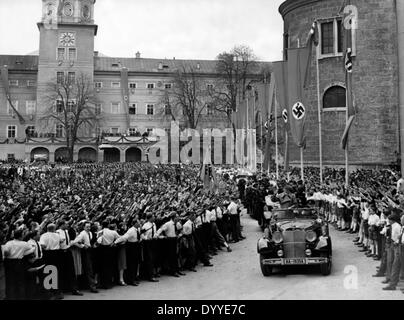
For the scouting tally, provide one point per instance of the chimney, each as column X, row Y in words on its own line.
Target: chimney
column 95, row 54
column 198, row 66
column 138, row 55
column 174, row 58
column 160, row 66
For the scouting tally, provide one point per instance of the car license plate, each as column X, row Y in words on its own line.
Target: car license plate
column 295, row 261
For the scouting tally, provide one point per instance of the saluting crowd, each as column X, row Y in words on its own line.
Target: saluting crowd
column 371, row 208
column 103, row 225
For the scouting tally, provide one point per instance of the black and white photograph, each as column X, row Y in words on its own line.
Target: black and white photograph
column 201, row 150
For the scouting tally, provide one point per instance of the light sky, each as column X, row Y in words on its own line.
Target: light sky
column 185, row 29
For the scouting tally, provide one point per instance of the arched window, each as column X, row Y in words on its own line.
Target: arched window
column 334, row 97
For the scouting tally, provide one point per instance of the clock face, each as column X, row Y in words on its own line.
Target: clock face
column 68, row 9
column 67, row 39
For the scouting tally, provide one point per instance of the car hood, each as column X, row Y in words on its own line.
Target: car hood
column 295, row 224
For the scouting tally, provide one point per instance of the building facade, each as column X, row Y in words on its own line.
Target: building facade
column 374, row 137
column 127, row 116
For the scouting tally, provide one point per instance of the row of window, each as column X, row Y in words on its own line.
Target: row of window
column 16, row 83
column 150, row 109
column 69, row 76
column 131, row 85
column 134, row 85
column 30, row 107
column 60, row 131
column 333, row 98
column 66, row 54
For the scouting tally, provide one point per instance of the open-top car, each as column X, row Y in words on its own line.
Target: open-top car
column 295, row 237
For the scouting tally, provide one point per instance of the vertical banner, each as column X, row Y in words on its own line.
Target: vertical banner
column 125, row 95
column 297, row 68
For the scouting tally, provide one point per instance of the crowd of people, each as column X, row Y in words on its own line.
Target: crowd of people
column 102, row 225
column 371, row 207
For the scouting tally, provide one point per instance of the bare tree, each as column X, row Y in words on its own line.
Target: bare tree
column 236, row 70
column 185, row 101
column 72, row 104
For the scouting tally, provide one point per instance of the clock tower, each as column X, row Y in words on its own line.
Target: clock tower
column 66, row 47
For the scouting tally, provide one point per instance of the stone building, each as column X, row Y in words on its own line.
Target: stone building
column 374, row 138
column 66, row 48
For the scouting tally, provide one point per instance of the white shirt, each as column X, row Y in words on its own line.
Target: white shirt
column 132, row 236
column 168, row 229
column 232, row 208
column 16, row 249
column 219, row 213
column 50, row 241
column 107, row 237
column 198, row 222
column 373, row 220
column 395, row 232
column 37, row 248
column 150, row 231
column 188, row 228
column 211, row 215
column 65, row 239
column 84, row 238
column 365, row 214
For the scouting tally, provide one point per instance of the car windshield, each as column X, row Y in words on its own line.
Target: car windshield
column 289, row 214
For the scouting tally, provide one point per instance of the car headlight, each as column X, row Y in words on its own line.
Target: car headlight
column 277, row 237
column 308, row 252
column 311, row 236
column 280, row 253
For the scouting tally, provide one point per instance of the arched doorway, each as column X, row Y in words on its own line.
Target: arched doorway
column 88, row 155
column 133, row 155
column 112, row 155
column 61, row 155
column 40, row 153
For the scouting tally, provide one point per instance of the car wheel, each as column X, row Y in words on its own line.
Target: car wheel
column 266, row 270
column 325, row 268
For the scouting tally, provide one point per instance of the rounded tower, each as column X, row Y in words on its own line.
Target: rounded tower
column 374, row 136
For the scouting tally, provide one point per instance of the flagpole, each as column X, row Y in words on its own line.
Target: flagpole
column 301, row 164
column 347, row 146
column 262, row 145
column 254, row 143
column 320, row 138
column 247, row 124
column 276, row 139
